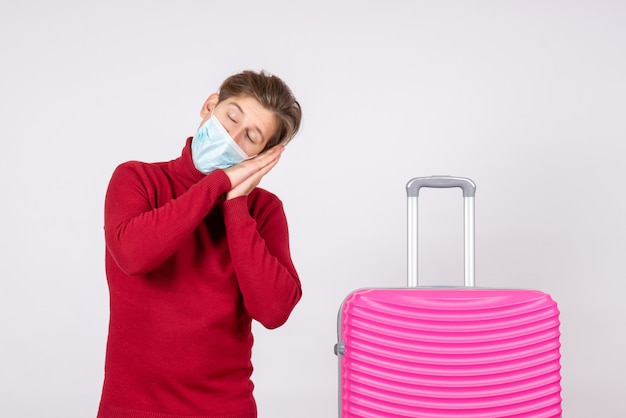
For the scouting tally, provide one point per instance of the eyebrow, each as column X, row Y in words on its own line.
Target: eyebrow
column 256, row 127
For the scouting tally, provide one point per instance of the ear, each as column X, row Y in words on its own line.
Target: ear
column 209, row 104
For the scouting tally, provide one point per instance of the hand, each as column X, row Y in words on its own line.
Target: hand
column 245, row 176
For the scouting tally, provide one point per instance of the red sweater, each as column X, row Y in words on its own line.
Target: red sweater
column 187, row 272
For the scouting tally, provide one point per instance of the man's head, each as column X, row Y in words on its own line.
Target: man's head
column 257, row 109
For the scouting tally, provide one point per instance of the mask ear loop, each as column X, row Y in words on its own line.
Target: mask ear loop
column 210, row 117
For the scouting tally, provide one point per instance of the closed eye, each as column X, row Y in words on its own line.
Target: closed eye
column 250, row 138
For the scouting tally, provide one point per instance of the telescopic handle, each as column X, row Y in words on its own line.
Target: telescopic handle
column 469, row 190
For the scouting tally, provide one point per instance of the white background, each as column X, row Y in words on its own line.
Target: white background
column 527, row 98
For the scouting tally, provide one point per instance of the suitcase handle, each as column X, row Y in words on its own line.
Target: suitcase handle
column 469, row 190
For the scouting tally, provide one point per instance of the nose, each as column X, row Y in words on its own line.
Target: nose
column 235, row 132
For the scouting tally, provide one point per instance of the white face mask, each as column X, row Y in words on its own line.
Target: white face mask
column 212, row 147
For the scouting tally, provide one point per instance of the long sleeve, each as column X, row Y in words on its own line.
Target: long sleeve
column 143, row 226
column 187, row 272
column 261, row 258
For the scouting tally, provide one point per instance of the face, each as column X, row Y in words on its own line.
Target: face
column 249, row 123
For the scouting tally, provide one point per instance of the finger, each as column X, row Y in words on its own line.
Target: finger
column 247, row 185
column 259, row 161
column 240, row 172
column 258, row 175
column 269, row 155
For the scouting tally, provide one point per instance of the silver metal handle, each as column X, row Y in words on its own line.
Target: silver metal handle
column 469, row 190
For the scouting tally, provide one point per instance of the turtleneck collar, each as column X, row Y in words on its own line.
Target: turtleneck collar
column 184, row 167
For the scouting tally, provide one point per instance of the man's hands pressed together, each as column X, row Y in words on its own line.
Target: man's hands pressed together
column 245, row 176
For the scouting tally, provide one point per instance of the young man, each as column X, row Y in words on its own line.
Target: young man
column 194, row 252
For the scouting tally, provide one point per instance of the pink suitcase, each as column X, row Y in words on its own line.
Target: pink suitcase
column 448, row 352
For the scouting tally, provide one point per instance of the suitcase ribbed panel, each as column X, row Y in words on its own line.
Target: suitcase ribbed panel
column 450, row 354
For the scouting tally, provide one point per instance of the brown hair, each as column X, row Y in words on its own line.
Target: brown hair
column 273, row 94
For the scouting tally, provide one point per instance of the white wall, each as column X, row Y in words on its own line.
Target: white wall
column 527, row 98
